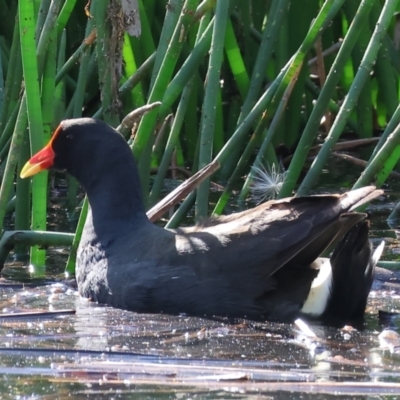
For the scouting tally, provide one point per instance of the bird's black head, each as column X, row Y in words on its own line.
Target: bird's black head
column 81, row 147
column 100, row 159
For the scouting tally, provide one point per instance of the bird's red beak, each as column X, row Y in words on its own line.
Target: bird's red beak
column 40, row 161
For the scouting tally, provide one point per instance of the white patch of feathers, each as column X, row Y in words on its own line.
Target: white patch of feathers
column 378, row 253
column 320, row 288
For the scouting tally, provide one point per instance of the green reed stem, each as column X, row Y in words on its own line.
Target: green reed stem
column 278, row 88
column 44, row 6
column 383, row 162
column 22, row 203
column 175, row 129
column 394, row 121
column 64, row 15
column 278, row 115
column 12, row 159
column 175, row 10
column 147, row 124
column 8, row 130
column 364, row 104
column 71, row 62
column 137, row 94
column 207, row 123
column 352, row 97
column 298, row 20
column 204, row 7
column 49, row 86
column 332, row 105
column 135, row 79
column 5, row 53
column 386, row 76
column 1, row 82
column 59, row 92
column 31, row 238
column 181, row 212
column 187, row 71
column 145, row 47
column 13, row 81
column 47, row 33
column 267, row 47
column 70, row 267
column 171, row 144
column 311, row 129
column 236, row 61
column 7, row 19
column 34, row 111
column 79, row 98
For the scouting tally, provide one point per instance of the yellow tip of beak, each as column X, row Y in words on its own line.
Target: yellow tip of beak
column 30, row 170
column 39, row 162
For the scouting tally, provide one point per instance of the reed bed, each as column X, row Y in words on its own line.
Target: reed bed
column 234, row 82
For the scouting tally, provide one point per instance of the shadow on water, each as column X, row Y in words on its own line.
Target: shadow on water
column 77, row 349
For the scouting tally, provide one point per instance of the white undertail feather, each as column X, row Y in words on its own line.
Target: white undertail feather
column 378, row 253
column 320, row 288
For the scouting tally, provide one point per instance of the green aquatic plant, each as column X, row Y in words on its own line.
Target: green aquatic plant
column 239, row 79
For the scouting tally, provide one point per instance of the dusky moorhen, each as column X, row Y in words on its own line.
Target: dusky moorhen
column 262, row 263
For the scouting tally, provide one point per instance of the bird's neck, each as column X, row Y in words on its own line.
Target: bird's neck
column 115, row 199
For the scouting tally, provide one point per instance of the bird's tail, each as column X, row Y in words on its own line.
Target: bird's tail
column 353, row 266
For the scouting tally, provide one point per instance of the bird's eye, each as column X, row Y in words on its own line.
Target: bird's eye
column 69, row 136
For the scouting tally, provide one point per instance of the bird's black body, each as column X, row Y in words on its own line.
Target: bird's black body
column 253, row 264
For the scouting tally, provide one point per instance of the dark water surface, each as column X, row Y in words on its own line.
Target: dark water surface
column 103, row 351
column 91, row 351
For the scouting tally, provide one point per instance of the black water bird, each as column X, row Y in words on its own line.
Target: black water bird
column 262, row 263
